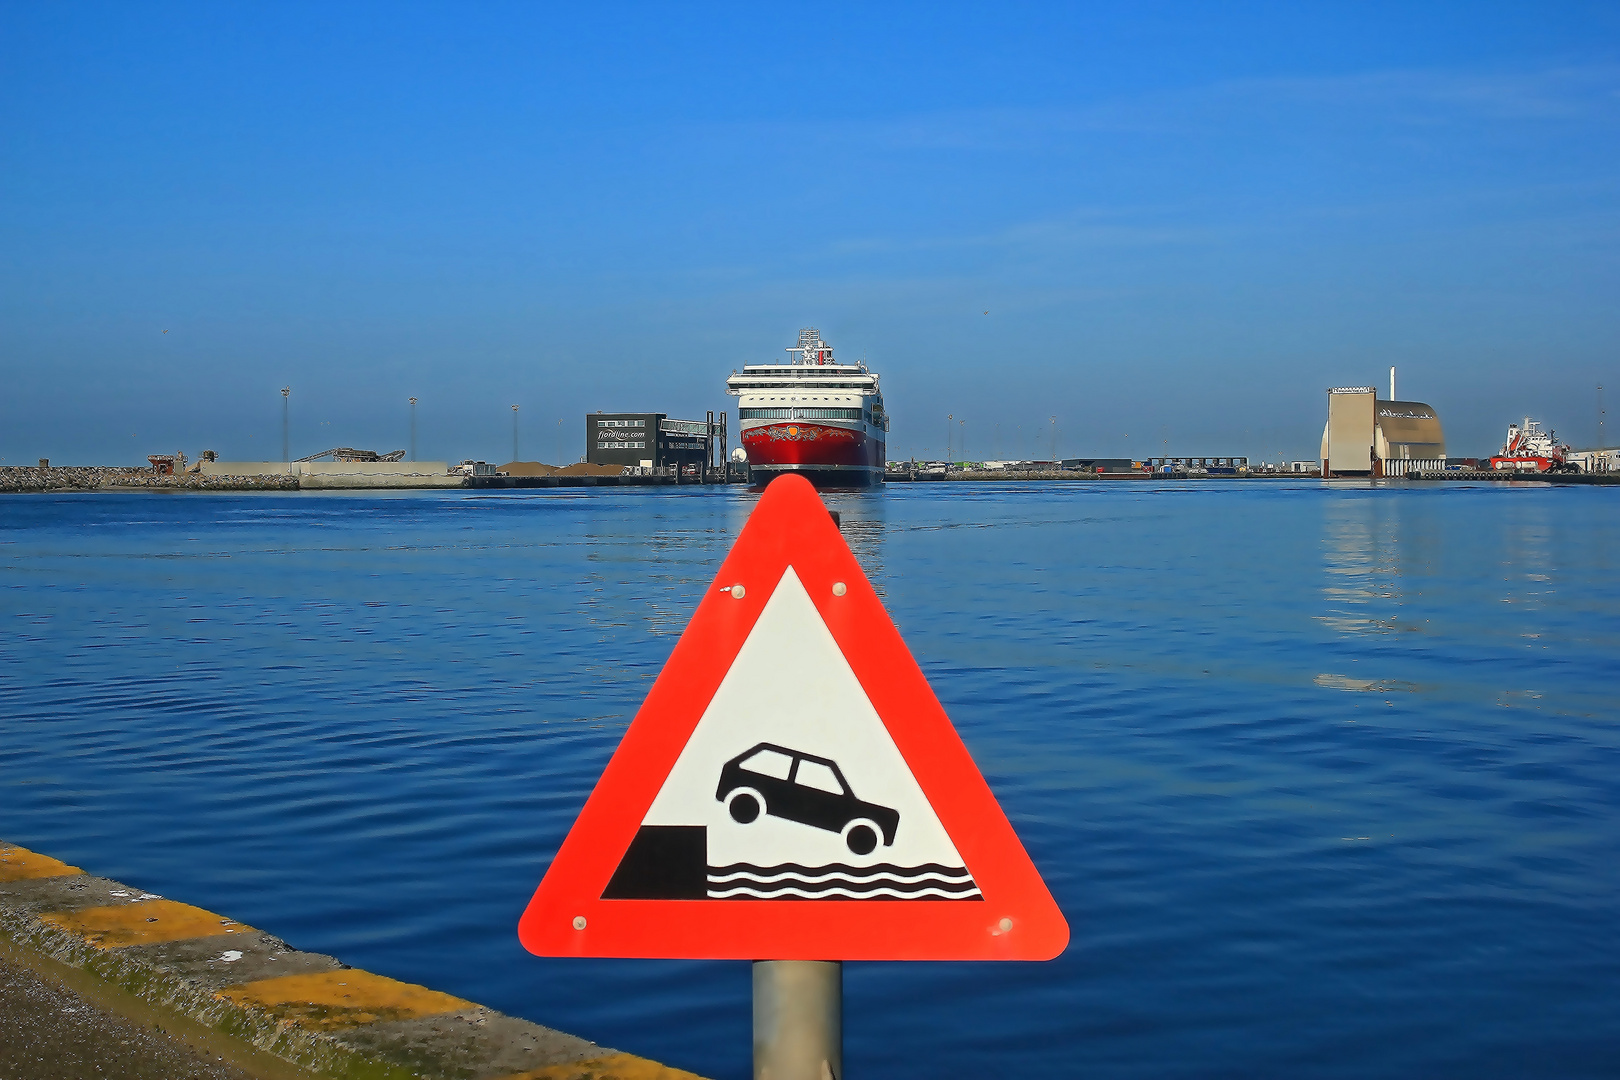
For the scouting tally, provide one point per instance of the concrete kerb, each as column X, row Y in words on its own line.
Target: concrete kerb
column 263, row 1005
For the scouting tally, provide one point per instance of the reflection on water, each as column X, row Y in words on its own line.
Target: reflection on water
column 1362, row 563
column 863, row 520
column 1382, row 686
column 1527, row 565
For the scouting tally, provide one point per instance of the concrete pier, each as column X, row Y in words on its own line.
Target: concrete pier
column 344, row 475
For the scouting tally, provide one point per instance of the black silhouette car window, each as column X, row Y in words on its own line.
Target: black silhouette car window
column 771, row 763
column 813, row 774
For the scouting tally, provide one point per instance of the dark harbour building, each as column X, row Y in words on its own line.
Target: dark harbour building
column 650, row 440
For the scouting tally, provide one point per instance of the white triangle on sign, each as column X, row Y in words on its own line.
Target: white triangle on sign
column 791, row 728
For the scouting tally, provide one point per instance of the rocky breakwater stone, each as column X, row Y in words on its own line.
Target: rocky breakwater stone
column 62, row 478
column 22, row 479
column 306, row 1009
column 199, row 482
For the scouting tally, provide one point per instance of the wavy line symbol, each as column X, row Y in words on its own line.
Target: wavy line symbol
column 836, row 881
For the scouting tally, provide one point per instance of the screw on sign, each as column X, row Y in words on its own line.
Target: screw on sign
column 791, row 792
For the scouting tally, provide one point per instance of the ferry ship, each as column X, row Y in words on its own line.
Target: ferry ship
column 813, row 416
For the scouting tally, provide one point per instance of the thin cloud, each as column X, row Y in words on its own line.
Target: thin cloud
column 1079, row 230
column 1416, row 97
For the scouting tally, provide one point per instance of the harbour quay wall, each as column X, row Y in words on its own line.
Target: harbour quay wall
column 1508, row 476
column 565, row 480
column 268, row 1008
column 1015, row 476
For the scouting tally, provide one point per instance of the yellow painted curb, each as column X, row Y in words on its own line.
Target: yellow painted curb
column 143, row 922
column 20, row 864
column 615, row 1067
column 334, row 1000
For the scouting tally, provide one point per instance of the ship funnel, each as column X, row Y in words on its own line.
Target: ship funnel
column 1392, row 382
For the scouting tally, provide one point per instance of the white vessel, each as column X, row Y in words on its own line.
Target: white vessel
column 812, row 415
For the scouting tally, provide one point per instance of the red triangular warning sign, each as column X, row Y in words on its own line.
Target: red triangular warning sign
column 791, row 788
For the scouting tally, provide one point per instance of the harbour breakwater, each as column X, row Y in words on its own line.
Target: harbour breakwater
column 16, row 479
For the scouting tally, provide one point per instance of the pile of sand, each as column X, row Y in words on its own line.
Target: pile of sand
column 539, row 468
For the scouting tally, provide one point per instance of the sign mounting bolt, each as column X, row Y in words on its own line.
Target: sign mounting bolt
column 839, row 588
column 579, row 922
column 738, row 592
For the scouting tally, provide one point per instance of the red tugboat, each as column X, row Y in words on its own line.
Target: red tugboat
column 1529, row 449
column 813, row 416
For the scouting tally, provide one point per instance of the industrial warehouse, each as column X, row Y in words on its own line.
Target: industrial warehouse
column 1366, row 436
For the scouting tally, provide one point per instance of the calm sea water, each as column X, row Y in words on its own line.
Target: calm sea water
column 1325, row 778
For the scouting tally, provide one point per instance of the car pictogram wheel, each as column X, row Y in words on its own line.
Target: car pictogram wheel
column 744, row 805
column 861, row 836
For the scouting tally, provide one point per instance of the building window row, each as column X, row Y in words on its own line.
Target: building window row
column 621, row 423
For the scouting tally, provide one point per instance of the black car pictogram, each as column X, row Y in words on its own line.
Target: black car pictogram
column 802, row 787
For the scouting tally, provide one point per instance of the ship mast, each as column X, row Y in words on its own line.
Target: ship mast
column 811, row 349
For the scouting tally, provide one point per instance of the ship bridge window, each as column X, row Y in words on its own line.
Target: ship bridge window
column 800, row 413
column 829, row 414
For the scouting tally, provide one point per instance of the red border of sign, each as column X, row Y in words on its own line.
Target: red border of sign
column 790, row 526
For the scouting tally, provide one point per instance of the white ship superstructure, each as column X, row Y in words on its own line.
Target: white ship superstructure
column 1529, row 449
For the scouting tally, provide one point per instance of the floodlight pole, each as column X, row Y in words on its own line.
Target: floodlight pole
column 413, row 429
column 514, row 433
column 286, row 391
column 798, row 1020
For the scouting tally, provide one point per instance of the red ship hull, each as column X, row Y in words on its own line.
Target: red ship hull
column 1524, row 464
column 826, row 455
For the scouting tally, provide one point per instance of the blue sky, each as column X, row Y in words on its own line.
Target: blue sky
column 1185, row 221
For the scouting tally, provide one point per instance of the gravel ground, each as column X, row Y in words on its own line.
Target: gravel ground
column 47, row 1032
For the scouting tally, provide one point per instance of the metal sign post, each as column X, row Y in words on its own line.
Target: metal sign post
column 799, row 1011
column 798, row 1020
